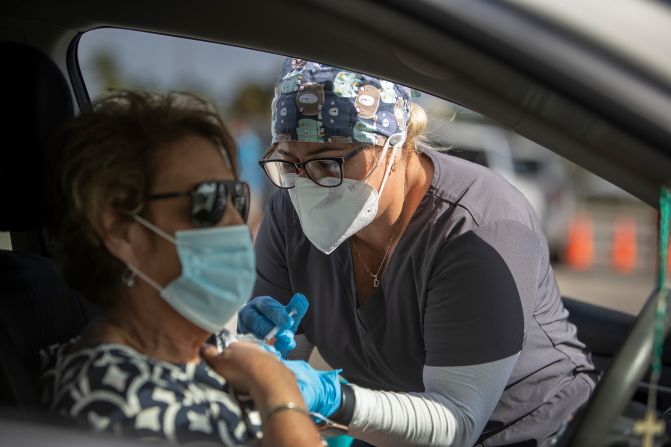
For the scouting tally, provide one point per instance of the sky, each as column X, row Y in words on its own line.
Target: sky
column 168, row 62
column 162, row 62
column 172, row 63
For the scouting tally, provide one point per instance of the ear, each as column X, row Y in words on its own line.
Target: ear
column 117, row 233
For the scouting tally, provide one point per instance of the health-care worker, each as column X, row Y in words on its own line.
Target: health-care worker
column 427, row 276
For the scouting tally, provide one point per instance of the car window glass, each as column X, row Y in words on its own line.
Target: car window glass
column 5, row 242
column 602, row 239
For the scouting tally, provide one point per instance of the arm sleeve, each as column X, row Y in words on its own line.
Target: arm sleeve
column 452, row 411
column 272, row 273
column 481, row 294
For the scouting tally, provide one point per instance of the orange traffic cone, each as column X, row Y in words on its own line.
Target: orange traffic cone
column 580, row 244
column 624, row 250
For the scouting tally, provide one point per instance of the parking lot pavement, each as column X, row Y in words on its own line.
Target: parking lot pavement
column 604, row 287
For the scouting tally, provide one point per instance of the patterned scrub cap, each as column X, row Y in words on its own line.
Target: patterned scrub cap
column 322, row 104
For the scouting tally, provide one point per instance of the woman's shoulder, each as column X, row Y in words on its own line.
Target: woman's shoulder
column 483, row 194
column 63, row 355
column 65, row 368
column 280, row 207
column 120, row 369
column 112, row 387
column 282, row 221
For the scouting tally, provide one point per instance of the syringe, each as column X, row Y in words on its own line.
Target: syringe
column 273, row 332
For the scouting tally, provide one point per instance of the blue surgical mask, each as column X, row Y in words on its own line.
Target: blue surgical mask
column 218, row 273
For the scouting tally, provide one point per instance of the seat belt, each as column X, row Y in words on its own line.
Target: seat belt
column 650, row 426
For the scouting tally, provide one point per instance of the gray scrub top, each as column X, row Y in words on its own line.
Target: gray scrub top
column 469, row 282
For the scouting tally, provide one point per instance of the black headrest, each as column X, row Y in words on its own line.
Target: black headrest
column 35, row 100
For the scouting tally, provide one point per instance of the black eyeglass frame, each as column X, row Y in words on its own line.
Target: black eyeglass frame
column 224, row 190
column 300, row 166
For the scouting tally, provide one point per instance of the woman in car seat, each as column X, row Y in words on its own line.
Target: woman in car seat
column 428, row 277
column 149, row 226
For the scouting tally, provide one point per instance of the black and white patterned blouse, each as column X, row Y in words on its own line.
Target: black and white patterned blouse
column 113, row 388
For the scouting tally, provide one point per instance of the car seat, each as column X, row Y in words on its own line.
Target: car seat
column 36, row 307
column 604, row 331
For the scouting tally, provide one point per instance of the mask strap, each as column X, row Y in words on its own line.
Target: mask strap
column 144, row 222
column 145, row 278
column 154, row 228
column 397, row 145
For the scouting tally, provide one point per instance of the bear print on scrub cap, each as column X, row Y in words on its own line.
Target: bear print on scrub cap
column 318, row 103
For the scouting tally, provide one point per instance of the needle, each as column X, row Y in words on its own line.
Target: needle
column 273, row 332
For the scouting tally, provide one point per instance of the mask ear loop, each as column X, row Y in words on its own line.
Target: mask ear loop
column 397, row 146
column 400, row 135
column 144, row 222
column 145, row 278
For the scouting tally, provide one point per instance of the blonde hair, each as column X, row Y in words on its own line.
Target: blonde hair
column 418, row 122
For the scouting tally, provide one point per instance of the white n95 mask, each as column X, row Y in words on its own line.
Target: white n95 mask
column 218, row 273
column 329, row 216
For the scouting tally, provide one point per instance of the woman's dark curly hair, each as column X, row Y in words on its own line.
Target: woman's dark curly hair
column 105, row 158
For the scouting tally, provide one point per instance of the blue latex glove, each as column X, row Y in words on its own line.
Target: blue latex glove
column 263, row 313
column 320, row 389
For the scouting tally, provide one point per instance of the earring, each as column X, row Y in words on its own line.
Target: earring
column 393, row 167
column 128, row 278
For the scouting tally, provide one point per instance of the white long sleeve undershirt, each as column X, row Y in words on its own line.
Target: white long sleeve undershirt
column 452, row 411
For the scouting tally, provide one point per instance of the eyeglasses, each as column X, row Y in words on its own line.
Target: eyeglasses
column 209, row 200
column 326, row 172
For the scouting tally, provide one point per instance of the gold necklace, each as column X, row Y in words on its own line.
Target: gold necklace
column 376, row 281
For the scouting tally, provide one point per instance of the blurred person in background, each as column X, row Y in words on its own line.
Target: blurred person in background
column 428, row 277
column 149, row 225
column 250, row 109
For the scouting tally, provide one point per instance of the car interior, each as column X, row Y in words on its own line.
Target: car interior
column 448, row 51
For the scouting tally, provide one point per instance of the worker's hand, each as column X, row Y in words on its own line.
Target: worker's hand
column 320, row 389
column 263, row 313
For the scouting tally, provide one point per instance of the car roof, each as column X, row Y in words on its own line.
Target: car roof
column 635, row 31
column 549, row 83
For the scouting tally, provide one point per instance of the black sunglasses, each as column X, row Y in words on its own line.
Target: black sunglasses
column 209, row 200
